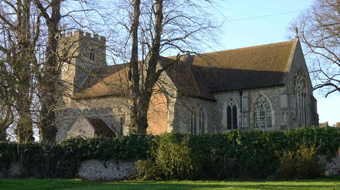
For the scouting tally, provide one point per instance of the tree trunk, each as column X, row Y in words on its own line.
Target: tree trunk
column 48, row 80
column 48, row 89
column 22, row 71
column 134, row 71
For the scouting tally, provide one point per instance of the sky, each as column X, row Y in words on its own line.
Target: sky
column 256, row 22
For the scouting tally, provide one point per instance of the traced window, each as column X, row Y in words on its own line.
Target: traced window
column 263, row 113
column 301, row 98
column 231, row 116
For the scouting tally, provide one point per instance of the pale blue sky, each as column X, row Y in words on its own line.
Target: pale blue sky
column 256, row 22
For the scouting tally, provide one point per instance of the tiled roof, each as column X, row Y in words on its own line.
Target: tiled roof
column 188, row 79
column 322, row 125
column 98, row 74
column 112, row 85
column 269, row 57
column 202, row 75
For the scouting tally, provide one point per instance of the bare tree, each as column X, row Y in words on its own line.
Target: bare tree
column 17, row 55
column 167, row 25
column 50, row 11
column 319, row 30
column 155, row 26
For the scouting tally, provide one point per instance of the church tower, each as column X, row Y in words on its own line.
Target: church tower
column 80, row 53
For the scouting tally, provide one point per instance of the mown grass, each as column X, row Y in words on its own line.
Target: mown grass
column 42, row 184
column 32, row 184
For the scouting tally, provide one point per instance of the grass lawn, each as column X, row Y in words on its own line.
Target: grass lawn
column 41, row 184
column 32, row 184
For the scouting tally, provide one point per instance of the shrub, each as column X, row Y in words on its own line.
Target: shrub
column 300, row 164
column 171, row 160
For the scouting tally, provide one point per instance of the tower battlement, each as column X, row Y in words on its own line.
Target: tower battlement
column 83, row 52
column 78, row 34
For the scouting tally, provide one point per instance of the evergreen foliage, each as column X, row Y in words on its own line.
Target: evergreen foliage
column 234, row 154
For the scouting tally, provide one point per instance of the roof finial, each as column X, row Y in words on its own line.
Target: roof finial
column 296, row 32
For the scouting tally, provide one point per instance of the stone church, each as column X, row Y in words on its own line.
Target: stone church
column 264, row 87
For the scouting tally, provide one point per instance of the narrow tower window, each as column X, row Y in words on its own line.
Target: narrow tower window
column 92, row 56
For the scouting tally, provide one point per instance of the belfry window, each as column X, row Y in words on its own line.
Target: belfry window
column 92, row 56
column 231, row 116
column 262, row 113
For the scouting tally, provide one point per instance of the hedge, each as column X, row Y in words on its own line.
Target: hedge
column 234, row 154
column 63, row 160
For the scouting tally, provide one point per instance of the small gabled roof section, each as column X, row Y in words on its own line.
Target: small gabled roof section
column 105, row 84
column 101, row 128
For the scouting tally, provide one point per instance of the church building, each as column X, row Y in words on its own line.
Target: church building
column 265, row 87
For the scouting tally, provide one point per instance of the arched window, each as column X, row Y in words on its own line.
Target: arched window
column 263, row 115
column 301, row 98
column 231, row 116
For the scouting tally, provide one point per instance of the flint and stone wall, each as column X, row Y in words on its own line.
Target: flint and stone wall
column 72, row 119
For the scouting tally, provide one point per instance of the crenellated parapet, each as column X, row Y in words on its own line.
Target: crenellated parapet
column 79, row 34
column 79, row 53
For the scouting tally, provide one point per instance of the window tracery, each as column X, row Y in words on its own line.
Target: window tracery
column 263, row 114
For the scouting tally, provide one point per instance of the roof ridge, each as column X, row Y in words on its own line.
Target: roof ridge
column 249, row 47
